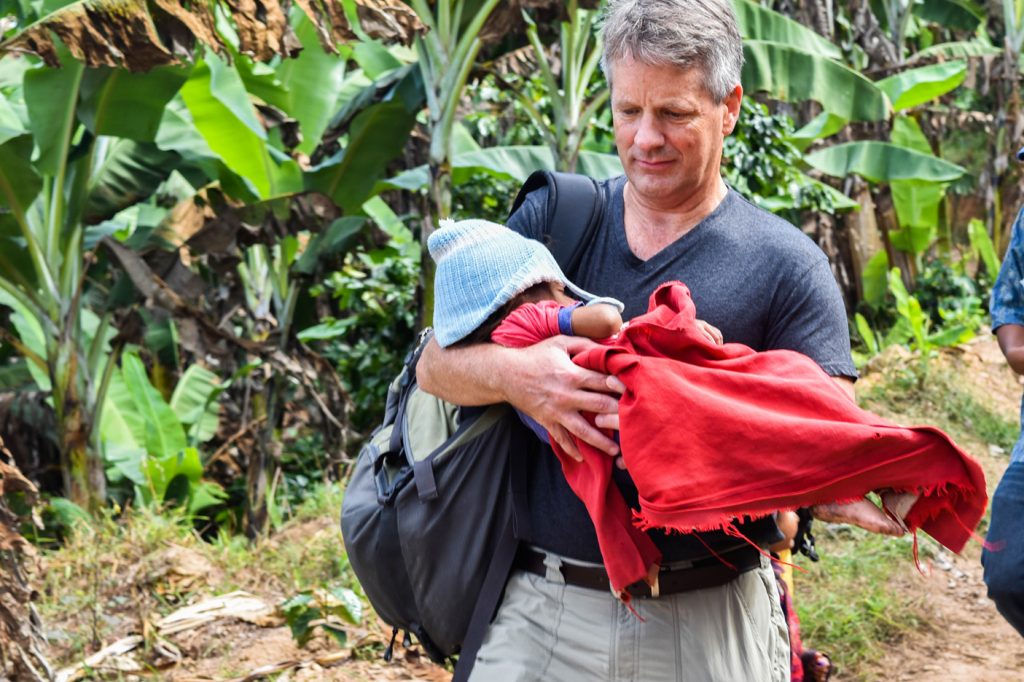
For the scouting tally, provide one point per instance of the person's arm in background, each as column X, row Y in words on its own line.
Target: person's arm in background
column 1011, row 342
column 1007, row 302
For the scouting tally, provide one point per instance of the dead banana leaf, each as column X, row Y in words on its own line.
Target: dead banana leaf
column 20, row 628
column 389, row 20
column 232, row 606
column 110, row 33
column 125, row 33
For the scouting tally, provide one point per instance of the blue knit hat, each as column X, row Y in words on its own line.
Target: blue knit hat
column 481, row 266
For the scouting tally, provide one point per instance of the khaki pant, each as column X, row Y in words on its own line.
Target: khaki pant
column 548, row 631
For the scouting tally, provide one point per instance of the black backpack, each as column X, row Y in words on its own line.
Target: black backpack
column 435, row 509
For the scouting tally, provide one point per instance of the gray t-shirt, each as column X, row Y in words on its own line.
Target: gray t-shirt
column 753, row 275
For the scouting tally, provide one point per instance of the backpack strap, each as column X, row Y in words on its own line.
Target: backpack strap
column 493, row 588
column 575, row 208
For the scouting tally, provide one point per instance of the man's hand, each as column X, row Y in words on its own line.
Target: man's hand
column 861, row 513
column 550, row 388
column 540, row 380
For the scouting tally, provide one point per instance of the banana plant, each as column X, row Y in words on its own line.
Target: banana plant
column 60, row 167
column 572, row 103
column 447, row 53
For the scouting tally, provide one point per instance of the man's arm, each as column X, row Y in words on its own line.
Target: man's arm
column 540, row 380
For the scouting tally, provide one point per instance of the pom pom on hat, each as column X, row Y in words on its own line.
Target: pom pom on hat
column 481, row 266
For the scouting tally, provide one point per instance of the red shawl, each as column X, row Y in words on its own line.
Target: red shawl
column 713, row 433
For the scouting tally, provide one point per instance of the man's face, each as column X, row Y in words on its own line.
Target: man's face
column 669, row 130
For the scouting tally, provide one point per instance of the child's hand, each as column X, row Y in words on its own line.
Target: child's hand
column 710, row 332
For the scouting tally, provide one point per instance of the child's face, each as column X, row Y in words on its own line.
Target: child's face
column 558, row 294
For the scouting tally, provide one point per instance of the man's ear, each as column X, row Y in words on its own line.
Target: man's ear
column 732, row 109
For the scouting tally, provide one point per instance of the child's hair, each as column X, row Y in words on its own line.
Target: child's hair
column 482, row 334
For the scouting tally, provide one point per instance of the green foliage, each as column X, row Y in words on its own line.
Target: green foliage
column 764, row 165
column 375, row 290
column 947, row 308
column 847, row 603
column 322, row 608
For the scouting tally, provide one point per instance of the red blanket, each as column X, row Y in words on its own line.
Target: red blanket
column 713, row 433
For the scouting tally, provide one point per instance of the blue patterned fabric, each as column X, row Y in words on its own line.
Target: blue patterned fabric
column 1007, row 302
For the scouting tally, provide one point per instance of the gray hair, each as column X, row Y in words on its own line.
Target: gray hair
column 683, row 33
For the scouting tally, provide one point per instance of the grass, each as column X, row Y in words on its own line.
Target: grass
column 945, row 402
column 107, row 574
column 862, row 593
column 847, row 603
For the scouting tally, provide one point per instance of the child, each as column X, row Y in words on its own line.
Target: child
column 682, row 387
column 806, row 665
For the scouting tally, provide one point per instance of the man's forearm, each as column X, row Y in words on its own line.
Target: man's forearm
column 470, row 375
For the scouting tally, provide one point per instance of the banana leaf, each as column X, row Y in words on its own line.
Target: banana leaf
column 791, row 75
column 882, row 162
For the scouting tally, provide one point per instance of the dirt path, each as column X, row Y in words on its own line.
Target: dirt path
column 967, row 640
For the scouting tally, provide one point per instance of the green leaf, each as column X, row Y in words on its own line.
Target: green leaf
column 912, row 87
column 164, row 436
column 873, row 279
column 349, row 607
column 821, row 126
column 227, row 86
column 907, row 133
column 760, row 23
column 377, row 136
column 954, row 14
column 917, row 210
column 313, row 81
column 51, row 96
column 161, row 471
column 339, row 635
column 30, row 332
column 866, row 333
column 68, row 513
column 193, row 401
column 790, row 75
column 128, row 173
column 205, row 494
column 882, row 162
column 328, row 330
column 953, row 336
column 958, row 50
column 338, row 237
column 122, row 424
column 981, row 244
column 908, row 307
column 19, row 184
column 119, row 103
column 374, row 59
column 10, row 123
column 388, row 221
column 229, row 137
column 507, row 163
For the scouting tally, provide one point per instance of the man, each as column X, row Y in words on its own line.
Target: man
column 674, row 69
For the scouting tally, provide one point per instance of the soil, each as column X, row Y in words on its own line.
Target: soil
column 963, row 638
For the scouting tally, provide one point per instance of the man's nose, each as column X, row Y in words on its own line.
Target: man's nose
column 648, row 133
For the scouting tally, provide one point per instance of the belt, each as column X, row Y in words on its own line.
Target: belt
column 698, row 575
